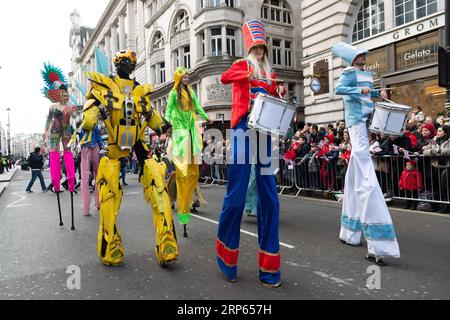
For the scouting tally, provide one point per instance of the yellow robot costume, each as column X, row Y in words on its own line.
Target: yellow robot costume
column 125, row 108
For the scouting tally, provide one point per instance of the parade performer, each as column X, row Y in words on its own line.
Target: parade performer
column 364, row 208
column 183, row 109
column 251, row 202
column 58, row 130
column 90, row 152
column 125, row 109
column 249, row 77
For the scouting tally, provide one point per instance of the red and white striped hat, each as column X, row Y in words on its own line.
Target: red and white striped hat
column 254, row 34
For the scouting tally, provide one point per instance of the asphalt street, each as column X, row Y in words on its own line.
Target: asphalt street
column 36, row 253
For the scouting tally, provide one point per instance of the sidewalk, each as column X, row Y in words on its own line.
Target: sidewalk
column 6, row 178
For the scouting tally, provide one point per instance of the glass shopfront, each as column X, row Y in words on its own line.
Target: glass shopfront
column 377, row 62
column 424, row 93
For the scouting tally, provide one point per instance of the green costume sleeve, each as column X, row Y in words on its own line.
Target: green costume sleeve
column 198, row 107
column 172, row 102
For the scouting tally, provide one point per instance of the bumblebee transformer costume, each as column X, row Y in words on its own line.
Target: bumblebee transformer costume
column 125, row 108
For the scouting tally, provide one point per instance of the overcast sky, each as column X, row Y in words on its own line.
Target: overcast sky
column 33, row 32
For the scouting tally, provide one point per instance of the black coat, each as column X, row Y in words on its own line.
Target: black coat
column 36, row 161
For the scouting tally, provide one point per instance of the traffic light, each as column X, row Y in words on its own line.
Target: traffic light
column 444, row 67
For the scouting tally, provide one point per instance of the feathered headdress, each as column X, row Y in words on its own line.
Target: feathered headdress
column 54, row 82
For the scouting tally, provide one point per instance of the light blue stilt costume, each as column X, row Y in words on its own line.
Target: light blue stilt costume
column 251, row 203
column 364, row 208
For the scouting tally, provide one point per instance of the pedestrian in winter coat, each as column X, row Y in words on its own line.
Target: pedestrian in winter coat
column 36, row 163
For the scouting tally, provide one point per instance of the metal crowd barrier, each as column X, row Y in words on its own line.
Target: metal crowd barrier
column 293, row 177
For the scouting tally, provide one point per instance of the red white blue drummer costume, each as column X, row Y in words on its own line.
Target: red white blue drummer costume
column 244, row 93
column 364, row 208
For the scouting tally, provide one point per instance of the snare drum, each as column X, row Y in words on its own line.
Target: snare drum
column 389, row 119
column 271, row 115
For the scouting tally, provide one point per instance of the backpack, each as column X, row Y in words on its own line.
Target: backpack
column 424, row 205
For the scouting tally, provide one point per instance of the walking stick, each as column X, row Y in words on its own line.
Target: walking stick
column 71, row 202
column 59, row 208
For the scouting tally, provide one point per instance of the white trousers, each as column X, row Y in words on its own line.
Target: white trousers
column 364, row 208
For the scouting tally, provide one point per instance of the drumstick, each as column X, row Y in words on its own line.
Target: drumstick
column 273, row 80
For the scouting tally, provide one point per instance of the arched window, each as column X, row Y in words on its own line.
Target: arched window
column 410, row 10
column 276, row 10
column 181, row 21
column 370, row 20
column 158, row 41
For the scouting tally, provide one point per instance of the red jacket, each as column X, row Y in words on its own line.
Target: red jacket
column 238, row 75
column 292, row 153
column 413, row 139
column 346, row 155
column 411, row 180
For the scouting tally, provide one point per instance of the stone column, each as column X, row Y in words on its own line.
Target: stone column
column 208, row 42
column 122, row 44
column 131, row 14
column 224, row 40
column 108, row 48
column 114, row 39
column 389, row 20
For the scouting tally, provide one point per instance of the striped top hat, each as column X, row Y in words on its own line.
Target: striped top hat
column 254, row 34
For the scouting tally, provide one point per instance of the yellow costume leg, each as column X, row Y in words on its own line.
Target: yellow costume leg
column 110, row 248
column 186, row 184
column 155, row 193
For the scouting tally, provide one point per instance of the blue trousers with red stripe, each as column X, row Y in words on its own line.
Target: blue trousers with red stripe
column 233, row 208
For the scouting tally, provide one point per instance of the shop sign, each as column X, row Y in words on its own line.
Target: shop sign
column 419, row 51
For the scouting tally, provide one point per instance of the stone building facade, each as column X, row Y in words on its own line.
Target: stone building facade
column 203, row 35
column 402, row 37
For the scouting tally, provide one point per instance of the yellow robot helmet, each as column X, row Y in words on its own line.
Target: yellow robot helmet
column 120, row 56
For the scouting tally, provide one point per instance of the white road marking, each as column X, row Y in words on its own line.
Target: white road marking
column 327, row 276
column 131, row 193
column 14, row 205
column 242, row 231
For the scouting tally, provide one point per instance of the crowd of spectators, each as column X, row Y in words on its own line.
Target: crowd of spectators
column 321, row 155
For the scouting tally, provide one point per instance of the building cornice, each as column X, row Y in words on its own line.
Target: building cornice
column 113, row 5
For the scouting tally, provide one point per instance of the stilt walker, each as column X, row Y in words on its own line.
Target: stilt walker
column 364, row 208
column 250, row 77
column 126, row 110
column 182, row 112
column 58, row 130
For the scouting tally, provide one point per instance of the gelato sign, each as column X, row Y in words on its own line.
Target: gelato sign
column 417, row 54
column 418, row 51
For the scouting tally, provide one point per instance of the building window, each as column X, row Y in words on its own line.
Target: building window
column 203, row 44
column 214, row 3
column 176, row 58
column 230, row 3
column 158, row 41
column 276, row 10
column 231, row 42
column 370, row 20
column 187, row 57
column 181, row 21
column 216, row 42
column 288, row 53
column 410, row 10
column 161, row 72
column 276, row 51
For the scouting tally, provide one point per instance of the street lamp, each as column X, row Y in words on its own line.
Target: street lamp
column 9, row 133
